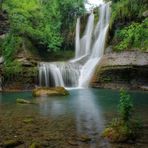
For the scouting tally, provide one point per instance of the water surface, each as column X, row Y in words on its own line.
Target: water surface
column 82, row 114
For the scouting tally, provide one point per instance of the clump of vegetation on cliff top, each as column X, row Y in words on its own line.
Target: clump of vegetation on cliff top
column 132, row 36
column 128, row 25
column 123, row 128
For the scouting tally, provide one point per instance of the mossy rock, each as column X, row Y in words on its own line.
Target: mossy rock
column 45, row 91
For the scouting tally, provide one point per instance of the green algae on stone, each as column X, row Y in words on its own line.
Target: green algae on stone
column 28, row 120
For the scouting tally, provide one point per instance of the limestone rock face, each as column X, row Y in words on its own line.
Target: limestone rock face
column 45, row 91
column 127, row 69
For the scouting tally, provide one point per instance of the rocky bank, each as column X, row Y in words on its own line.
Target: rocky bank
column 127, row 69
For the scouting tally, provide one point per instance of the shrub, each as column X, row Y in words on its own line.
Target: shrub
column 125, row 106
column 133, row 36
column 124, row 127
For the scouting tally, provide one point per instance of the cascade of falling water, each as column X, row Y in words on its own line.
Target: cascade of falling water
column 82, row 46
column 59, row 74
column 77, row 38
column 98, row 47
column 49, row 75
column 79, row 71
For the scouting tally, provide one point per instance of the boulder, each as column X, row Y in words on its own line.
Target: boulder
column 45, row 91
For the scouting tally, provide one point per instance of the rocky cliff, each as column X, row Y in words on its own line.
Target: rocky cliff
column 125, row 69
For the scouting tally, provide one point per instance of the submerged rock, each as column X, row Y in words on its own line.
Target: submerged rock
column 34, row 145
column 12, row 143
column 23, row 101
column 28, row 120
column 45, row 91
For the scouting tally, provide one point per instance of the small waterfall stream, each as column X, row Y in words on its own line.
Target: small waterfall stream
column 59, row 74
column 88, row 51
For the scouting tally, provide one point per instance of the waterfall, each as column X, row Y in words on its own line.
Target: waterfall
column 88, row 51
column 97, row 51
column 59, row 74
column 77, row 38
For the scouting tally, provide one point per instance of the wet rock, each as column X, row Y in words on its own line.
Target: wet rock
column 11, row 143
column 44, row 91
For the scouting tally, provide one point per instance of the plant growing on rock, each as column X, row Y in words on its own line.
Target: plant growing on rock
column 123, row 128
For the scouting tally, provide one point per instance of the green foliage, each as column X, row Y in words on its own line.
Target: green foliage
column 133, row 36
column 127, row 26
column 10, row 46
column 42, row 21
column 12, row 68
column 125, row 106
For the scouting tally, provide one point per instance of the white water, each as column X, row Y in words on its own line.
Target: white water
column 59, row 74
column 88, row 51
column 97, row 51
